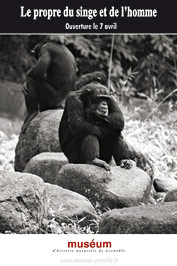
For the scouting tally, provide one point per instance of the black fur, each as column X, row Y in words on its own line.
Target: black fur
column 49, row 81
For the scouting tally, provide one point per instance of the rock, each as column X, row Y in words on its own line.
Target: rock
column 151, row 219
column 3, row 136
column 171, row 196
column 151, row 200
column 2, row 160
column 64, row 204
column 159, row 196
column 116, row 189
column 46, row 165
column 40, row 136
column 23, row 202
column 165, row 184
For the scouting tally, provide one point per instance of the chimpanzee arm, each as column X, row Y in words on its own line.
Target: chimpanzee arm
column 39, row 71
column 115, row 119
column 76, row 120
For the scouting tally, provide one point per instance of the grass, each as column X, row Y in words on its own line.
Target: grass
column 155, row 137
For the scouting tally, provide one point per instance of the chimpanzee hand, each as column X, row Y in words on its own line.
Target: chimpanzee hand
column 127, row 164
column 100, row 163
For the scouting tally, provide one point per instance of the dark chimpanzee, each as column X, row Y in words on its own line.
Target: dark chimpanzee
column 90, row 128
column 49, row 81
column 96, row 77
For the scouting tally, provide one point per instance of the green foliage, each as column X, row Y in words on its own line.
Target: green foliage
column 155, row 137
column 13, row 65
column 15, row 56
column 151, row 57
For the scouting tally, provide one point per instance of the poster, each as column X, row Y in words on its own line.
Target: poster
column 118, row 20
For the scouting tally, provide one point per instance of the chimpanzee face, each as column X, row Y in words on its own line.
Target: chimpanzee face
column 100, row 105
column 97, row 98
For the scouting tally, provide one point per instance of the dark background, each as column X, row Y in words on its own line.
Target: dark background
column 10, row 21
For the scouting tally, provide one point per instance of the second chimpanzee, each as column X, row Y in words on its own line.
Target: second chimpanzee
column 95, row 77
column 91, row 126
column 49, row 81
